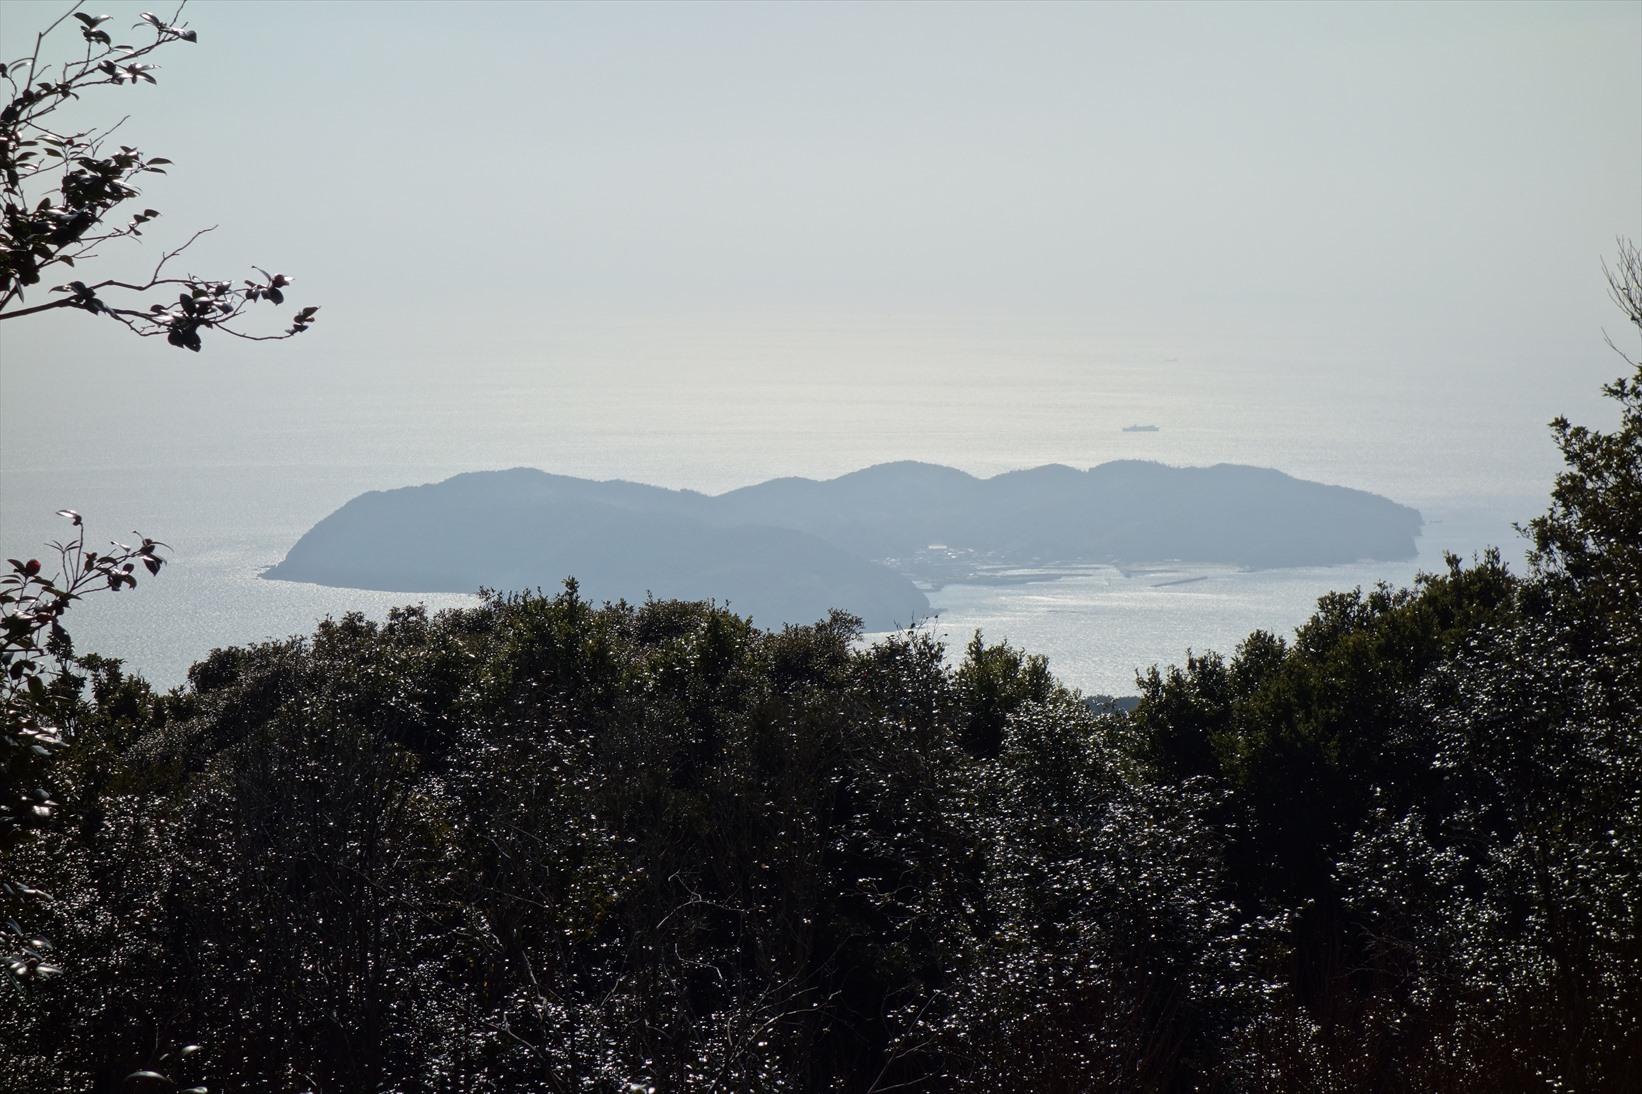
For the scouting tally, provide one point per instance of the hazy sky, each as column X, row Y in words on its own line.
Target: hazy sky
column 1376, row 171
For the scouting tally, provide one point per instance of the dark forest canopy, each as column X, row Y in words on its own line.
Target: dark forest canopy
column 787, row 550
column 544, row 845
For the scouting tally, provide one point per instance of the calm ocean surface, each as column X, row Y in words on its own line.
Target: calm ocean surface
column 230, row 457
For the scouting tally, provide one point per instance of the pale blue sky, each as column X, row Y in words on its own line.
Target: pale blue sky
column 1370, row 171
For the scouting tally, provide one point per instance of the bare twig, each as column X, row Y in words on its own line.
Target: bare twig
column 1625, row 288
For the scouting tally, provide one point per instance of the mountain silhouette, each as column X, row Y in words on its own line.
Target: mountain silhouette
column 787, row 550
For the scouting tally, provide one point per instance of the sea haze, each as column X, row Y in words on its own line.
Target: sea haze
column 231, row 460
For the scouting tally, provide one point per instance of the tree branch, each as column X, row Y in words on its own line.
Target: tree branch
column 66, row 302
column 62, row 192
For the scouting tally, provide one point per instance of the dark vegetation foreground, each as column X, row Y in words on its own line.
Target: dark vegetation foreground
column 541, row 845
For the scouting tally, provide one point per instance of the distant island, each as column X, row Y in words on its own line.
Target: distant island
column 787, row 550
column 1140, row 429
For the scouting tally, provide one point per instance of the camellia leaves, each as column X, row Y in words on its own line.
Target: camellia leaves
column 83, row 185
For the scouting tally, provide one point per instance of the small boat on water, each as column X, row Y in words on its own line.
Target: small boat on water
column 1140, row 429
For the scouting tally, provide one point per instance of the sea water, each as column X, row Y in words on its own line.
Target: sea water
column 231, row 456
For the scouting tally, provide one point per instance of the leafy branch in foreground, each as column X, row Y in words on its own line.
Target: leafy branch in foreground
column 61, row 190
column 35, row 648
column 34, row 653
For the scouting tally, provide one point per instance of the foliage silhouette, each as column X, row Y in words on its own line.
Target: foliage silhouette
column 61, row 190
